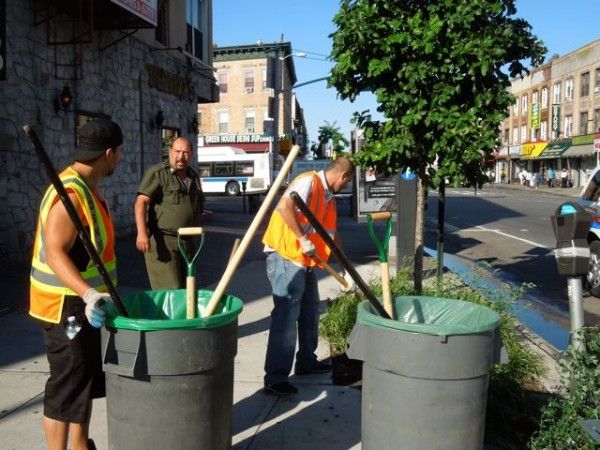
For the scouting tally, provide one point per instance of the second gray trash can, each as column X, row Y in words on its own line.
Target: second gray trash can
column 425, row 375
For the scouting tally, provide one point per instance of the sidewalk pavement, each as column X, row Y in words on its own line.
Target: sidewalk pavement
column 321, row 416
column 564, row 192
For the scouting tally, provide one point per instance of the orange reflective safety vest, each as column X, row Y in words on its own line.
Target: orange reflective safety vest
column 47, row 291
column 281, row 238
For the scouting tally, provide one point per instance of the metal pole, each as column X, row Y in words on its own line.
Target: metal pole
column 575, row 310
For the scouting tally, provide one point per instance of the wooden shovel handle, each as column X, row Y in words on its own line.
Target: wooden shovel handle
column 190, row 231
column 385, row 288
column 190, row 296
column 334, row 273
column 382, row 215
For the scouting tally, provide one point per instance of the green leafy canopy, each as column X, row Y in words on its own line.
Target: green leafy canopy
column 440, row 70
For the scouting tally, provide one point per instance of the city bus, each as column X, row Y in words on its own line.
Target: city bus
column 225, row 170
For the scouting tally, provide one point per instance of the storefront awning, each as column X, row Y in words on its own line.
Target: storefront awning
column 532, row 150
column 578, row 151
column 555, row 149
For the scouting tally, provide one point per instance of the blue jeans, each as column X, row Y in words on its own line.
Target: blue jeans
column 296, row 301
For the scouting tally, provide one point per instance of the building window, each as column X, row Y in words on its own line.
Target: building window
column 534, row 134
column 516, row 106
column 193, row 21
column 534, row 97
column 524, row 104
column 569, row 88
column 161, row 32
column 223, row 121
column 584, row 90
column 544, row 97
column 597, row 120
column 556, row 93
column 222, row 82
column 249, row 120
column 523, row 133
column 544, row 131
column 263, row 75
column 568, row 128
column 597, row 81
column 505, row 137
column 583, row 122
column 249, row 80
column 515, row 135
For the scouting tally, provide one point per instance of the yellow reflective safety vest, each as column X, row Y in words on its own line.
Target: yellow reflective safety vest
column 47, row 291
column 281, row 238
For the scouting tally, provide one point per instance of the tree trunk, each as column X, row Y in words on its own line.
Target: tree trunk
column 419, row 235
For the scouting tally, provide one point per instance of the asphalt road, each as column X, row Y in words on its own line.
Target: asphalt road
column 510, row 230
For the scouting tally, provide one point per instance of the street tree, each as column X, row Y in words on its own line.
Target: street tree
column 440, row 71
column 330, row 134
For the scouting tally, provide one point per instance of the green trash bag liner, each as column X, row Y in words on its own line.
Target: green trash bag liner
column 166, row 309
column 432, row 315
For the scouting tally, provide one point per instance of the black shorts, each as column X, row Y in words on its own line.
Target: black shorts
column 76, row 374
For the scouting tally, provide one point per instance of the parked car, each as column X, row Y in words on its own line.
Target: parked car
column 590, row 200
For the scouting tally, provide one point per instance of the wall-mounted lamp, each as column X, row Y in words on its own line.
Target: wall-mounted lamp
column 193, row 128
column 64, row 100
column 157, row 121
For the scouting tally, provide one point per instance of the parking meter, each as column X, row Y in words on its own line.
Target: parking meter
column 570, row 224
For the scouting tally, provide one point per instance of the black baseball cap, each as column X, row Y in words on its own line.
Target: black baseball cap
column 95, row 137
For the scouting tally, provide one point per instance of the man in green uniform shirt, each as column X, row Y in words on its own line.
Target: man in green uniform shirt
column 169, row 197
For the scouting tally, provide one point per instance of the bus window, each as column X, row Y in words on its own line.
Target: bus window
column 204, row 170
column 244, row 168
column 223, row 169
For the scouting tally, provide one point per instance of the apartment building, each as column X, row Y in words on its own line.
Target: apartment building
column 554, row 118
column 145, row 65
column 257, row 109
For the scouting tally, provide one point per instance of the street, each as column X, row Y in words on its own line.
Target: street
column 510, row 230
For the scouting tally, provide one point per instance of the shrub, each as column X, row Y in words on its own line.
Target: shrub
column 560, row 425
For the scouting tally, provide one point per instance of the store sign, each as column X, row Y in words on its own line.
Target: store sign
column 235, row 138
column 534, row 116
column 597, row 143
column 170, row 83
column 144, row 9
column 556, row 118
column 2, row 39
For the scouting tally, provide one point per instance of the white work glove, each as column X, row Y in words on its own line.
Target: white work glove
column 349, row 282
column 308, row 248
column 93, row 306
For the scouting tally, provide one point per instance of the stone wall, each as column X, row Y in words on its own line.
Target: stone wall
column 114, row 82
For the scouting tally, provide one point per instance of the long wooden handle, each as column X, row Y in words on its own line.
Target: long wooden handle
column 234, row 262
column 236, row 244
column 190, row 296
column 334, row 273
column 385, row 288
column 382, row 215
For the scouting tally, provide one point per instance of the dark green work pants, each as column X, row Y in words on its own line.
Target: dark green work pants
column 164, row 263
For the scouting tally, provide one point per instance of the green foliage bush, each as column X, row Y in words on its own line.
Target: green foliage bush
column 560, row 424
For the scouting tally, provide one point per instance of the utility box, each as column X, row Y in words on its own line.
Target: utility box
column 570, row 224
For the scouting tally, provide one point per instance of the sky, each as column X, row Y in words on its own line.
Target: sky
column 307, row 24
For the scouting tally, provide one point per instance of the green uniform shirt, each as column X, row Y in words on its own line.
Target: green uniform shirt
column 173, row 204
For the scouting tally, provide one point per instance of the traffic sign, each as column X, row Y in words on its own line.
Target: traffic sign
column 597, row 143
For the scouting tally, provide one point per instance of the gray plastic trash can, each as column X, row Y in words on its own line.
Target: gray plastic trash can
column 169, row 380
column 425, row 375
